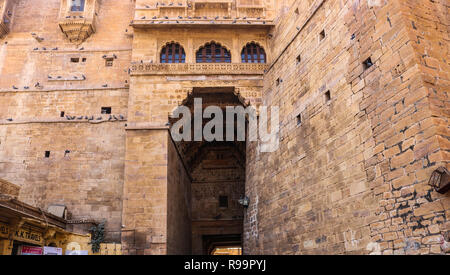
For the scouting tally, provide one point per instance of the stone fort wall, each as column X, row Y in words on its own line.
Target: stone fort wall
column 362, row 88
column 352, row 176
column 43, row 74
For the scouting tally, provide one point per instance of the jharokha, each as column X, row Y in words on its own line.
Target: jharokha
column 88, row 92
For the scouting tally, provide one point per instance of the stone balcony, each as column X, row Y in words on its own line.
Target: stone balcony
column 198, row 69
column 78, row 25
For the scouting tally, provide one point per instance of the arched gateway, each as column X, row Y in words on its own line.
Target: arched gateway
column 212, row 176
column 186, row 196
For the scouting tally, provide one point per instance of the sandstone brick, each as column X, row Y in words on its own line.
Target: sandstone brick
column 434, row 239
column 435, row 249
column 390, row 236
column 428, row 208
column 402, row 159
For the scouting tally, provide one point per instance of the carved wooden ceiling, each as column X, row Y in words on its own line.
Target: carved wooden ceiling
column 197, row 154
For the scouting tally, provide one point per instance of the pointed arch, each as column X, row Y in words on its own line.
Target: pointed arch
column 253, row 53
column 213, row 52
column 173, row 53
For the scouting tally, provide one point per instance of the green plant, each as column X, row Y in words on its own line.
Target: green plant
column 97, row 236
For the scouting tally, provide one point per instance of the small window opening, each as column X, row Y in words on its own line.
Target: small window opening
column 299, row 119
column 77, row 5
column 47, row 154
column 106, row 110
column 327, row 96
column 278, row 81
column 367, row 63
column 322, row 35
column 75, row 60
column 109, row 62
column 84, row 59
column 223, row 201
column 62, row 114
column 299, row 59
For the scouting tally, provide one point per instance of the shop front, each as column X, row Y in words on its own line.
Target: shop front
column 24, row 241
column 29, row 230
column 26, row 230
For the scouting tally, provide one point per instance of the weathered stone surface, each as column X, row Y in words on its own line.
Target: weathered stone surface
column 369, row 78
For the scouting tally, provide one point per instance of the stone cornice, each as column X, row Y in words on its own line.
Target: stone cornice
column 205, row 23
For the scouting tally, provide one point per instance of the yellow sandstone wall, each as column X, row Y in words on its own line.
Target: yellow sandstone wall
column 352, row 178
column 179, row 205
column 38, row 81
column 152, row 195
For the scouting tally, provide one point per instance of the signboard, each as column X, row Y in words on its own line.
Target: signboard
column 52, row 250
column 28, row 236
column 23, row 235
column 30, row 250
column 77, row 252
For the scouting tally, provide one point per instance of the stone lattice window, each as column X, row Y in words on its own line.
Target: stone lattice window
column 173, row 53
column 77, row 5
column 213, row 53
column 253, row 53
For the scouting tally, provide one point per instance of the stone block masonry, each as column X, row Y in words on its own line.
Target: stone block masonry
column 353, row 177
column 362, row 88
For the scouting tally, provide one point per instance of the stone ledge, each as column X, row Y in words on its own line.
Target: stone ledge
column 62, row 89
column 73, row 119
column 146, row 126
column 147, row 68
column 186, row 22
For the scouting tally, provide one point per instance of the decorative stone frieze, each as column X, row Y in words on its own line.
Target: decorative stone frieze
column 214, row 68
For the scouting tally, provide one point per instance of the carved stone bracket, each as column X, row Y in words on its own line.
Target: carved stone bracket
column 77, row 31
column 49, row 234
column 78, row 25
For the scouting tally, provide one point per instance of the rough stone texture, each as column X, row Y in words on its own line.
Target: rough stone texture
column 352, row 178
column 179, row 205
column 9, row 189
column 38, row 81
column 144, row 214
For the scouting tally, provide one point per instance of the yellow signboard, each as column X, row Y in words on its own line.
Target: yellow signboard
column 23, row 235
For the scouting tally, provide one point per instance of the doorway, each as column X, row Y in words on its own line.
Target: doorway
column 216, row 172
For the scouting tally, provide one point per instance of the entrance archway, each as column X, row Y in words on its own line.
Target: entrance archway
column 216, row 173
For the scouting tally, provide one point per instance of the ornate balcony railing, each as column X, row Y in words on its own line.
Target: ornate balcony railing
column 198, row 69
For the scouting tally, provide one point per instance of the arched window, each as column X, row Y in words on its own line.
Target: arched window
column 213, row 53
column 77, row 5
column 173, row 53
column 253, row 53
